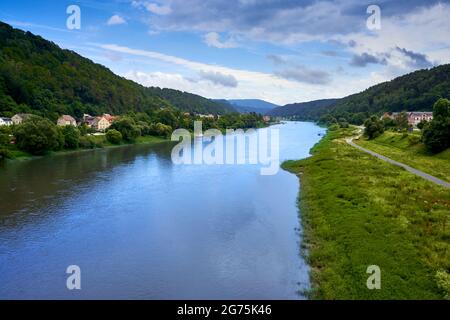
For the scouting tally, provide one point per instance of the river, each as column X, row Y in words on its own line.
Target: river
column 140, row 227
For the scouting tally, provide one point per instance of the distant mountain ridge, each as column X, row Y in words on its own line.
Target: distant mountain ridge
column 307, row 110
column 416, row 91
column 37, row 76
column 250, row 105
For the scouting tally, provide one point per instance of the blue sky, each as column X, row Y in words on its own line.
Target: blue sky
column 281, row 51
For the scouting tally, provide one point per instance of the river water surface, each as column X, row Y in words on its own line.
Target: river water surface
column 140, row 227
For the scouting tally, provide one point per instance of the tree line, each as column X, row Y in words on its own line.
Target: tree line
column 38, row 135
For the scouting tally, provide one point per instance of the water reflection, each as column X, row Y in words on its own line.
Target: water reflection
column 140, row 227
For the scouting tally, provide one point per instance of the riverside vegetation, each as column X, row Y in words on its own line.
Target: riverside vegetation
column 359, row 211
column 39, row 136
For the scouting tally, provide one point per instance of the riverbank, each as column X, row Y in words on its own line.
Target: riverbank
column 18, row 155
column 359, row 211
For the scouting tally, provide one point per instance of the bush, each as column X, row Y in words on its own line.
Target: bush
column 374, row 127
column 5, row 139
column 4, row 154
column 160, row 130
column 413, row 140
column 90, row 142
column 37, row 136
column 71, row 137
column 436, row 133
column 127, row 127
column 114, row 136
column 443, row 283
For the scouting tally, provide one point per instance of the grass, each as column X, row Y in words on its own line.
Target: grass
column 359, row 211
column 408, row 149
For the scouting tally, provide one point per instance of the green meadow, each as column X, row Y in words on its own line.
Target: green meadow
column 359, row 211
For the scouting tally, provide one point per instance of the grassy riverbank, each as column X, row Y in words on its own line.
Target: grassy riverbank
column 407, row 149
column 101, row 143
column 359, row 211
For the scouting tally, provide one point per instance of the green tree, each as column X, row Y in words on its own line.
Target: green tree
column 71, row 137
column 441, row 108
column 127, row 127
column 113, row 136
column 37, row 135
column 373, row 127
column 436, row 134
column 401, row 121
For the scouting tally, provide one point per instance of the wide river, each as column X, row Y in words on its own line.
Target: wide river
column 141, row 227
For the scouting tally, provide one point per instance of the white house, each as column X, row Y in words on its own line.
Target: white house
column 5, row 121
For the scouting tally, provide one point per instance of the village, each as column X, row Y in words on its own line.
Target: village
column 99, row 123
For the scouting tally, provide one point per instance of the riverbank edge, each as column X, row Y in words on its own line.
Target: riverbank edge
column 306, row 241
column 149, row 140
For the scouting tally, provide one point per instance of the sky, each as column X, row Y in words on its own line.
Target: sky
column 281, row 51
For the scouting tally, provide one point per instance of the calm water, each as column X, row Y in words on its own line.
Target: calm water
column 140, row 227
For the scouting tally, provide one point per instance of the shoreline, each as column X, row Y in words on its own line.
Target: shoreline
column 148, row 140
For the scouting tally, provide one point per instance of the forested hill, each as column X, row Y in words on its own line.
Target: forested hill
column 307, row 110
column 417, row 91
column 39, row 77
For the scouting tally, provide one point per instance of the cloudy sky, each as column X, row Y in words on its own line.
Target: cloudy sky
column 282, row 51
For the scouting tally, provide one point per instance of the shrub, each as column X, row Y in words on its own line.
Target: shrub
column 443, row 283
column 90, row 142
column 374, row 127
column 4, row 154
column 71, row 137
column 127, row 127
column 37, row 136
column 114, row 136
column 160, row 130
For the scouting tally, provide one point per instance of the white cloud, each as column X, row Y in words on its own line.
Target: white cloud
column 212, row 39
column 154, row 8
column 424, row 32
column 252, row 84
column 116, row 20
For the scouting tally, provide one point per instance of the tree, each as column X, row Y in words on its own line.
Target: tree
column 373, row 127
column 37, row 135
column 160, row 130
column 71, row 137
column 113, row 136
column 441, row 108
column 436, row 134
column 127, row 127
column 401, row 121
column 422, row 124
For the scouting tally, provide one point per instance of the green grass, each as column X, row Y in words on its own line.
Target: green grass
column 408, row 149
column 359, row 211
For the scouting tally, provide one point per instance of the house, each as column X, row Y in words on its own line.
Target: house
column 66, row 120
column 206, row 116
column 5, row 121
column 414, row 118
column 20, row 117
column 101, row 123
column 266, row 119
